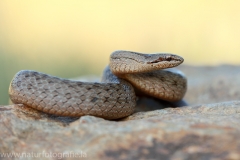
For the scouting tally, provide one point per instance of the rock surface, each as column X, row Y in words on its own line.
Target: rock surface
column 212, row 84
column 197, row 131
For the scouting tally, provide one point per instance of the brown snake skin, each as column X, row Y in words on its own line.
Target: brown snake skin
column 113, row 98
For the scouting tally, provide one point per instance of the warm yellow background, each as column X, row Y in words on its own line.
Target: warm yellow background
column 72, row 38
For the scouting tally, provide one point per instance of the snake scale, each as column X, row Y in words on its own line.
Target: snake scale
column 128, row 73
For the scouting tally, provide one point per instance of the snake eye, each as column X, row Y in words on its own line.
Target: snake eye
column 169, row 58
column 162, row 59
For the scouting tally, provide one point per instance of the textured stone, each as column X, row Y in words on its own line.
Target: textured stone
column 197, row 131
column 209, row 84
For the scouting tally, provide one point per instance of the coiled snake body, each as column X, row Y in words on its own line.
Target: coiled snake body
column 113, row 98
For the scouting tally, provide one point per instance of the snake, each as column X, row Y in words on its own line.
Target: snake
column 128, row 75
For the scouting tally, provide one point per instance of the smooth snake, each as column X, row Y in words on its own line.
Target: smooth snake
column 129, row 73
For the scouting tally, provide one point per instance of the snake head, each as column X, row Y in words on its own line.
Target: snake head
column 124, row 62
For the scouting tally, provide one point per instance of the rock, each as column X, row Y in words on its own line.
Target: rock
column 211, row 84
column 197, row 131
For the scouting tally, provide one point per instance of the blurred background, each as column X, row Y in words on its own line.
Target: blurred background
column 74, row 38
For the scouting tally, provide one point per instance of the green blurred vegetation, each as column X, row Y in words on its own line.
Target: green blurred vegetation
column 11, row 64
column 74, row 38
